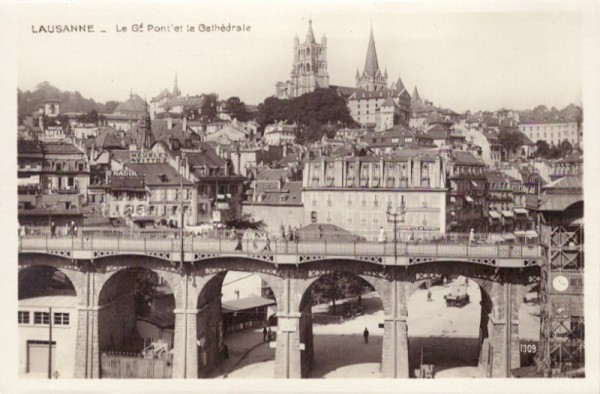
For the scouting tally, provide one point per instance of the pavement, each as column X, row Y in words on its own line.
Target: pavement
column 449, row 337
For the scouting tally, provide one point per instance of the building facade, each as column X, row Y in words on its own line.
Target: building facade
column 354, row 193
column 373, row 102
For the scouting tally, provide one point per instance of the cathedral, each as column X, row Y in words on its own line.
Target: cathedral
column 374, row 104
column 309, row 70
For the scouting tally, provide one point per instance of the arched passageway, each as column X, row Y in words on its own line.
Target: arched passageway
column 136, row 325
column 47, row 318
column 338, row 308
column 445, row 326
column 234, row 307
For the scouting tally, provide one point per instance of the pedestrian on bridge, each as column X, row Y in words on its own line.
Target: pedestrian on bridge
column 53, row 229
column 381, row 237
column 239, row 236
column 472, row 236
column 267, row 244
column 366, row 335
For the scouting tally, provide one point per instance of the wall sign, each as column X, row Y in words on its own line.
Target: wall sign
column 148, row 157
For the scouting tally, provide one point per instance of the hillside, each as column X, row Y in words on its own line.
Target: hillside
column 29, row 101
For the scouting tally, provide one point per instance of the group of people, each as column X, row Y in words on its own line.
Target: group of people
column 70, row 230
column 267, row 334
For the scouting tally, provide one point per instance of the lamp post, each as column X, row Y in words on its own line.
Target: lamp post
column 396, row 217
column 183, row 171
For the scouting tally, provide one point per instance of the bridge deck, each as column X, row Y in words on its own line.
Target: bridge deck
column 194, row 246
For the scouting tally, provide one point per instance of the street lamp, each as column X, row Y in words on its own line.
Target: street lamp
column 182, row 172
column 396, row 217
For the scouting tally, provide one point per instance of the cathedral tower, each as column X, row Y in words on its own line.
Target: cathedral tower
column 309, row 70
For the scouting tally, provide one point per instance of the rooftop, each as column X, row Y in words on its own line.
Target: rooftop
column 158, row 174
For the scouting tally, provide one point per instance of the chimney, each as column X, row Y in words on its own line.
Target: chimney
column 169, row 123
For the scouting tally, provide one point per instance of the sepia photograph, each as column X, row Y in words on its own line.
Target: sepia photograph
column 341, row 190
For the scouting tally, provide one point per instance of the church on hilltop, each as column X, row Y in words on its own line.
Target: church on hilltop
column 374, row 104
column 309, row 70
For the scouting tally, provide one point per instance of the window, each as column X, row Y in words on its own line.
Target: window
column 61, row 319
column 23, row 317
column 41, row 318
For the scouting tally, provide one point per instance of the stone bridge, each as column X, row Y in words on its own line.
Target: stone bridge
column 101, row 270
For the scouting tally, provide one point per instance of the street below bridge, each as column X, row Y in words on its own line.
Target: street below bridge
column 449, row 335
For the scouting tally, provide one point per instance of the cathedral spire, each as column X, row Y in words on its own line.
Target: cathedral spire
column 310, row 36
column 415, row 95
column 371, row 63
column 175, row 87
column 400, row 84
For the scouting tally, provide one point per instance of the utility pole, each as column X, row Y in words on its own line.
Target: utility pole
column 396, row 217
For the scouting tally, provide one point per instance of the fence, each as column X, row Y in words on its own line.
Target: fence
column 244, row 248
column 119, row 366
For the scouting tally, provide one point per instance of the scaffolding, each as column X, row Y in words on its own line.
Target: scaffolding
column 561, row 296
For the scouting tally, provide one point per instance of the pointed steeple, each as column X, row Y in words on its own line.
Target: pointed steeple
column 371, row 63
column 415, row 95
column 310, row 36
column 399, row 84
column 176, row 90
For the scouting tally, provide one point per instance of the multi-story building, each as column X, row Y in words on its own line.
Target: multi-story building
column 280, row 134
column 372, row 93
column 156, row 104
column 466, row 199
column 309, row 70
column 278, row 207
column 552, row 130
column 354, row 193
column 167, row 192
column 66, row 169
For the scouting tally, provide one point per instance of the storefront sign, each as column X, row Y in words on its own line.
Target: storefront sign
column 419, row 228
column 148, row 157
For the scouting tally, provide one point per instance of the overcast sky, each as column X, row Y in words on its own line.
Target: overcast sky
column 459, row 60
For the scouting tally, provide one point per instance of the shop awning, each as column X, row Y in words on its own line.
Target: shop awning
column 509, row 236
column 507, row 214
column 494, row 214
column 32, row 180
column 531, row 234
column 520, row 211
column 520, row 233
column 469, row 199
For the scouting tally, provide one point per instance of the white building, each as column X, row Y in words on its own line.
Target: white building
column 34, row 334
column 280, row 134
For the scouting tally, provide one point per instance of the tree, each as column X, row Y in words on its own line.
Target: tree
column 542, row 149
column 565, row 148
column 144, row 287
column 191, row 113
column 316, row 113
column 338, row 285
column 237, row 109
column 208, row 108
column 511, row 140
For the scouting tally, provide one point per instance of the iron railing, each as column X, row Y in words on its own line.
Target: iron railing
column 143, row 243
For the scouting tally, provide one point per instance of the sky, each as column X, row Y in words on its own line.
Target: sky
column 459, row 60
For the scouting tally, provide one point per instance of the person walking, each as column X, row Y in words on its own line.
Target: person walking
column 239, row 236
column 267, row 244
column 53, row 230
column 265, row 334
column 429, row 295
column 366, row 335
column 472, row 236
column 269, row 334
column 320, row 231
column 381, row 237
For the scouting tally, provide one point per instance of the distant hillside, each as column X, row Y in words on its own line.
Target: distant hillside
column 542, row 114
column 29, row 101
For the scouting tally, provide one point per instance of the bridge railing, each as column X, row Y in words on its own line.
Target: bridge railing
column 257, row 246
